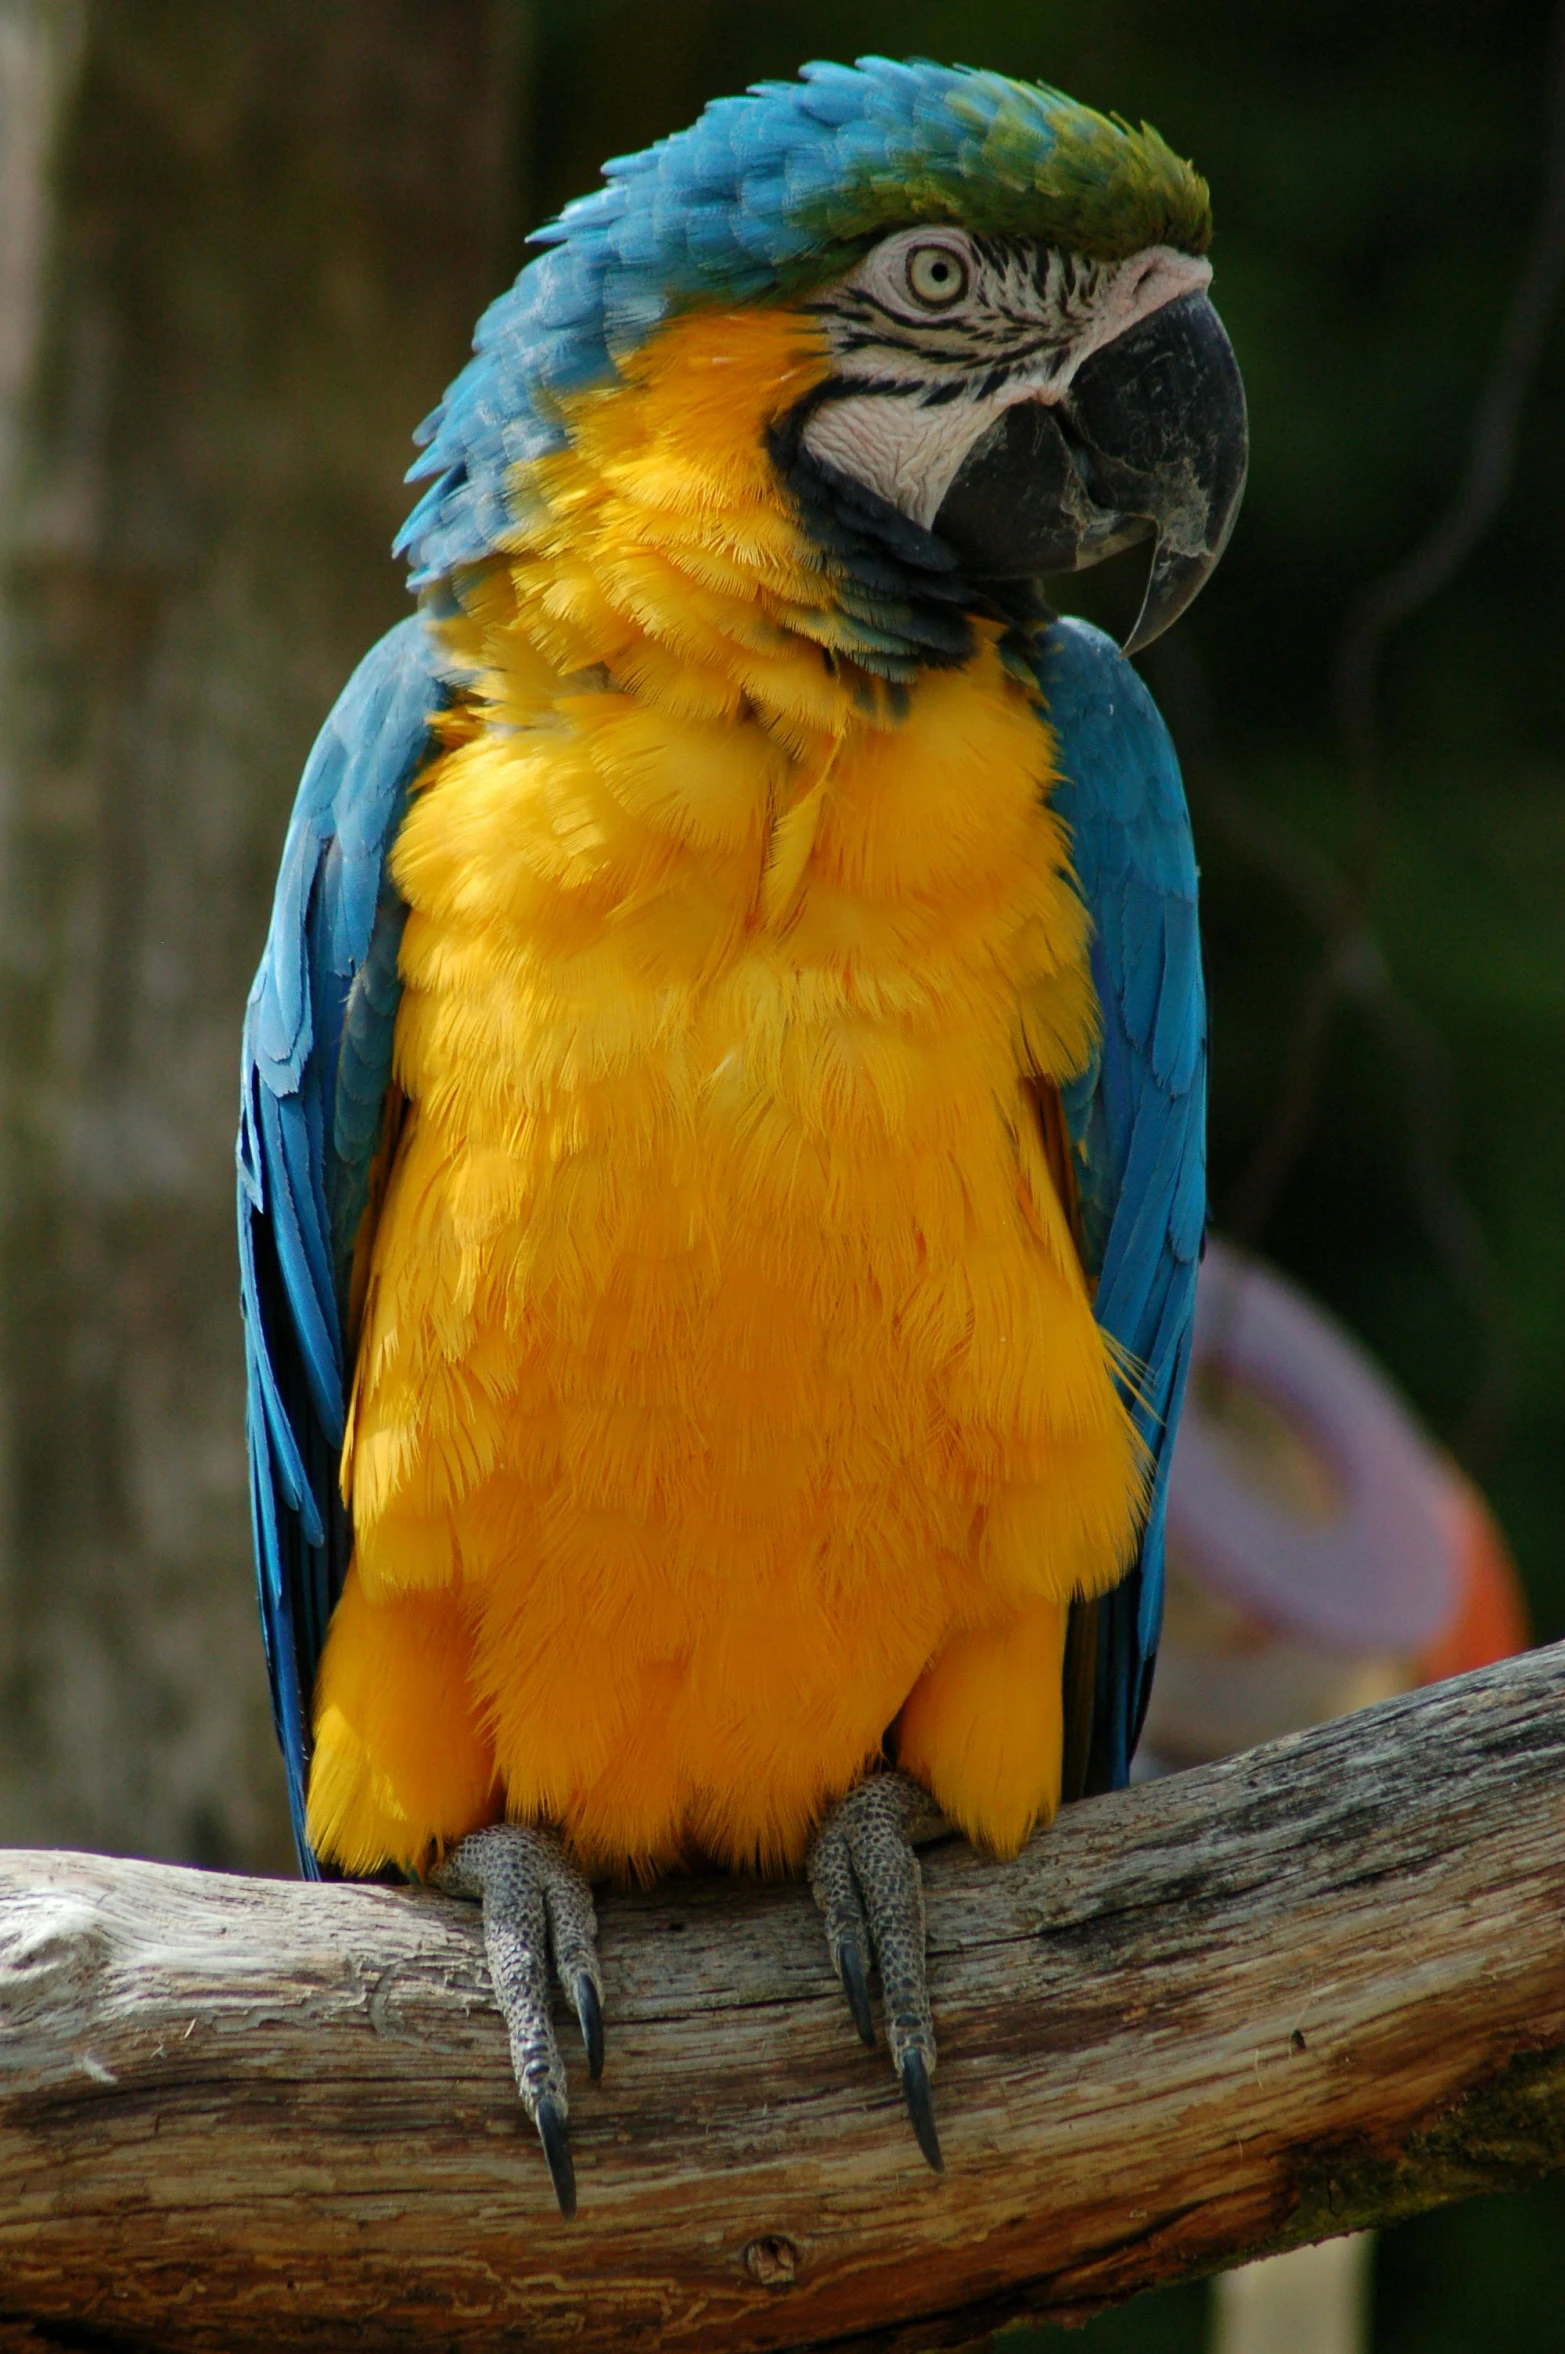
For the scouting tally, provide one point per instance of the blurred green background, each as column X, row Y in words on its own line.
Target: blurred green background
column 257, row 238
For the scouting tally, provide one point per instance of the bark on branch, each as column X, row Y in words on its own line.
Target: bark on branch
column 1318, row 1986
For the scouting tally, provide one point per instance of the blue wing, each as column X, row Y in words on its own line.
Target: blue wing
column 315, row 1069
column 1137, row 1117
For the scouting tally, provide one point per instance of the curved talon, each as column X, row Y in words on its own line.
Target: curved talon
column 589, row 2013
column 855, row 1985
column 866, row 1880
column 918, row 2093
column 557, row 2151
column 537, row 1912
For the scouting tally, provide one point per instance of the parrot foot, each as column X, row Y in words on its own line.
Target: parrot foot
column 536, row 1903
column 866, row 1880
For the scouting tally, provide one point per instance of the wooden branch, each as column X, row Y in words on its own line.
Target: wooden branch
column 1318, row 1986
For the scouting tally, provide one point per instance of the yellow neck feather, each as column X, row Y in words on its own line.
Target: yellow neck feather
column 658, row 545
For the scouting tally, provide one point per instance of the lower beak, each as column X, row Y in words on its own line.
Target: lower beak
column 1150, row 440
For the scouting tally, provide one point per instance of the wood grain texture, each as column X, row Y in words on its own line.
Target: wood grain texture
column 1318, row 1985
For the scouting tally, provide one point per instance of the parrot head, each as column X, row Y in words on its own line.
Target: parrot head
column 1022, row 369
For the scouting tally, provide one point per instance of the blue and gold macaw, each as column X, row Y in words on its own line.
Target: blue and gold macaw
column 721, row 1174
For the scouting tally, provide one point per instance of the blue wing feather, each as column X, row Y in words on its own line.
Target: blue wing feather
column 315, row 1067
column 1137, row 1116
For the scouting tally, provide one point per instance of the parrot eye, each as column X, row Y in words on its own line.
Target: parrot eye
column 937, row 276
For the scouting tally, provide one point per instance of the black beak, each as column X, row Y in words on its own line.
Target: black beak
column 1151, row 438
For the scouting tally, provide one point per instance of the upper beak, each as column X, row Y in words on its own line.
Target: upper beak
column 1151, row 437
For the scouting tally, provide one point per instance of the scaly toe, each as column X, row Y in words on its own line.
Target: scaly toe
column 867, row 1882
column 536, row 1902
column 855, row 1985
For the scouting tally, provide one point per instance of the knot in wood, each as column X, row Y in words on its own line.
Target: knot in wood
column 53, row 1948
column 773, row 2260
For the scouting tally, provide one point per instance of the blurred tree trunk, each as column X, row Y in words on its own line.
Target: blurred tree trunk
column 241, row 250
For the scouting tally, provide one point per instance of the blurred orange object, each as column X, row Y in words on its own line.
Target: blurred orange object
column 1490, row 1621
column 1323, row 1552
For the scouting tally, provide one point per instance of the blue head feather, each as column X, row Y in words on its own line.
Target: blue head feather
column 763, row 196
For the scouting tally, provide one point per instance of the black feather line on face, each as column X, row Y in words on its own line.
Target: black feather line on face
column 995, row 326
column 902, row 581
column 906, row 328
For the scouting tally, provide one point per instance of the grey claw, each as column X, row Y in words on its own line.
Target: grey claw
column 537, row 1910
column 866, row 1880
column 557, row 2150
column 589, row 2011
column 855, row 1985
column 919, row 2096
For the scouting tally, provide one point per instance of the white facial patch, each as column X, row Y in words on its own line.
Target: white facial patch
column 947, row 331
column 908, row 456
